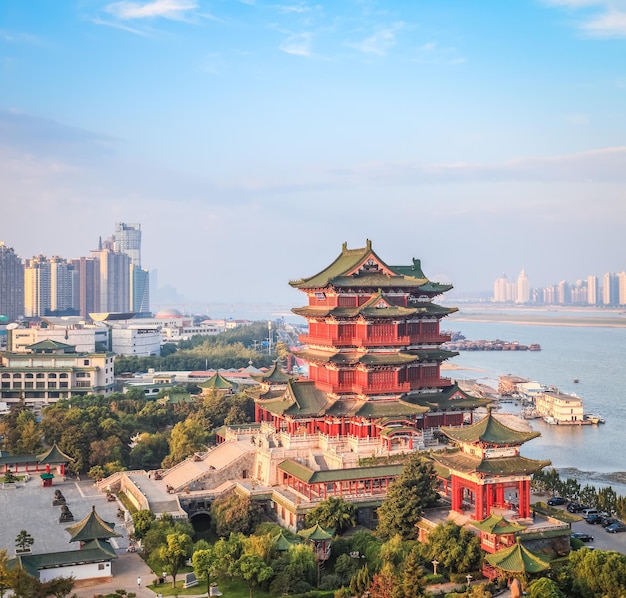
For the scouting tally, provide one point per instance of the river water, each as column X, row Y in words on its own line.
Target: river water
column 593, row 355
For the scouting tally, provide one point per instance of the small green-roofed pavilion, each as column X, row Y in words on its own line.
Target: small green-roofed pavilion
column 92, row 527
column 217, row 382
column 496, row 524
column 317, row 533
column 54, row 456
column 274, row 375
column 518, row 559
column 282, row 543
column 489, row 430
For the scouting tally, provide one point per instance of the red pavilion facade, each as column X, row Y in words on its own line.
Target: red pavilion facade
column 374, row 356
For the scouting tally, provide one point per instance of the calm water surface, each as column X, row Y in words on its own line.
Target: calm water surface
column 593, row 355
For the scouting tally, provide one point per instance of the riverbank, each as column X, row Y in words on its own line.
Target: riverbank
column 540, row 319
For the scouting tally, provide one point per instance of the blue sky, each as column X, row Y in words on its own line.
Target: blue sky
column 251, row 138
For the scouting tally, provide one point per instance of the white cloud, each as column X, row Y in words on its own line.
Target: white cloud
column 119, row 26
column 601, row 18
column 167, row 9
column 298, row 44
column 610, row 24
column 19, row 37
column 431, row 53
column 380, row 42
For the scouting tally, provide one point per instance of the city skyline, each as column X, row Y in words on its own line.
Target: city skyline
column 243, row 134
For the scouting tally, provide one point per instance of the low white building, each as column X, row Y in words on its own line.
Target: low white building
column 136, row 339
column 87, row 338
column 52, row 370
column 561, row 407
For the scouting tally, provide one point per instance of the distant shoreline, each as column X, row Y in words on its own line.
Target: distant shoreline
column 540, row 319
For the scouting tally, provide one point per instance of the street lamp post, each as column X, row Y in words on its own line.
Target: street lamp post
column 469, row 578
column 434, row 564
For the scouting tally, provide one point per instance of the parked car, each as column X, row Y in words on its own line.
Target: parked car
column 594, row 519
column 576, row 507
column 606, row 521
column 557, row 500
column 582, row 537
column 587, row 512
column 615, row 528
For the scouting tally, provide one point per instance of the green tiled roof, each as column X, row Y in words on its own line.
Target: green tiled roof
column 300, row 398
column 282, row 543
column 518, row 559
column 92, row 527
column 343, row 273
column 317, row 532
column 50, row 560
column 275, row 374
column 449, row 398
column 397, row 430
column 217, row 382
column 496, row 524
column 490, row 431
column 375, row 409
column 356, row 357
column 432, row 354
column 466, row 463
column 53, row 456
column 50, row 345
column 310, row 476
column 320, row 311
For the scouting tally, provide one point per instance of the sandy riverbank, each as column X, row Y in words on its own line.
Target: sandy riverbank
column 540, row 319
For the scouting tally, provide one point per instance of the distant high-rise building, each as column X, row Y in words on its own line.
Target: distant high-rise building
column 610, row 289
column 501, row 289
column 11, row 283
column 579, row 293
column 139, row 289
column 593, row 290
column 64, row 287
column 127, row 239
column 564, row 296
column 523, row 288
column 621, row 278
column 114, row 280
column 37, row 287
column 88, row 269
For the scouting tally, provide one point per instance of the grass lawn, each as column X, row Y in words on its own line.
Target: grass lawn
column 232, row 588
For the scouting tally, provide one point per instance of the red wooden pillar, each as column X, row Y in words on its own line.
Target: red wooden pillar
column 456, row 495
column 478, row 501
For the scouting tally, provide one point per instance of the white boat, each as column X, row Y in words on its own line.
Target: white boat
column 550, row 420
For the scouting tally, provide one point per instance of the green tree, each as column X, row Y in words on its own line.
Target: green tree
column 205, row 563
column 334, row 513
column 253, row 570
column 142, row 522
column 5, row 583
column 23, row 584
column 407, row 497
column 361, row 582
column 607, row 500
column 59, row 587
column 384, row 583
column 346, row 567
column 599, row 573
column 395, row 550
column 24, row 541
column 227, row 552
column 589, row 496
column 412, row 581
column 187, row 437
column 544, row 588
column 174, row 553
column 456, row 548
column 235, row 514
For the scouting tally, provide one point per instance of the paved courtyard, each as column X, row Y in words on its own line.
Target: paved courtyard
column 30, row 507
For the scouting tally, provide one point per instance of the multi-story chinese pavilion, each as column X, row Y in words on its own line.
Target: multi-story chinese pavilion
column 487, row 469
column 374, row 356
